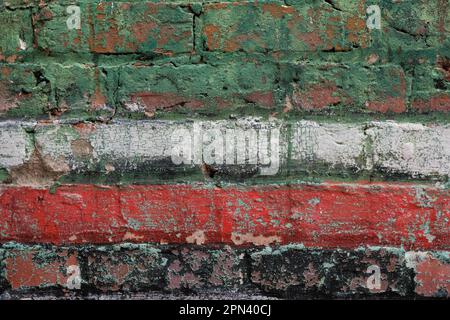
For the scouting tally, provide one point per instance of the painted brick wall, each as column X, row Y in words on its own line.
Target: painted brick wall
column 290, row 149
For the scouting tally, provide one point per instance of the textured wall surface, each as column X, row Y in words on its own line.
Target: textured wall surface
column 258, row 149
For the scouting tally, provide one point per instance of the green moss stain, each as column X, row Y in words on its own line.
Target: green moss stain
column 197, row 59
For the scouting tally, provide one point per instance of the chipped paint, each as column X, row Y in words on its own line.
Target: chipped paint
column 258, row 216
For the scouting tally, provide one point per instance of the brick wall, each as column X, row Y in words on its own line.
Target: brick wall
column 270, row 148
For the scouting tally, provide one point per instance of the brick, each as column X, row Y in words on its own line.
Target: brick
column 156, row 220
column 24, row 91
column 210, row 88
column 331, row 215
column 339, row 147
column 432, row 273
column 80, row 91
column 276, row 27
column 140, row 223
column 146, row 151
column 217, row 268
column 16, row 146
column 15, row 4
column 411, row 149
column 408, row 30
column 27, row 268
column 426, row 19
column 320, row 87
column 324, row 215
column 16, row 38
column 142, row 267
column 294, row 272
column 432, row 102
column 431, row 86
column 55, row 90
column 117, row 27
column 125, row 268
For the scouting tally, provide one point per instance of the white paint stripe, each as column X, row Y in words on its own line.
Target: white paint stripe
column 135, row 142
column 332, row 144
column 15, row 144
column 411, row 149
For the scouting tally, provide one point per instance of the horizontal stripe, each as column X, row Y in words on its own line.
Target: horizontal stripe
column 284, row 272
column 326, row 215
column 149, row 151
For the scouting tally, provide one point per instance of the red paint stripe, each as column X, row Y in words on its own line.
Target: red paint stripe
column 328, row 215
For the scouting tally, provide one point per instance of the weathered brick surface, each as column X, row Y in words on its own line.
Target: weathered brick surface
column 151, row 58
column 431, row 273
column 33, row 91
column 17, row 34
column 409, row 144
column 431, row 86
column 284, row 272
column 27, row 268
column 24, row 92
column 123, row 268
column 170, row 269
column 331, row 273
column 211, row 88
column 116, row 27
column 343, row 274
column 276, row 27
column 93, row 105
column 358, row 88
column 79, row 90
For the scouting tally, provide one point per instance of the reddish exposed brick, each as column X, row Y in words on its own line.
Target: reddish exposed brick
column 38, row 268
column 117, row 27
column 317, row 97
column 324, row 86
column 438, row 102
column 432, row 274
column 276, row 27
